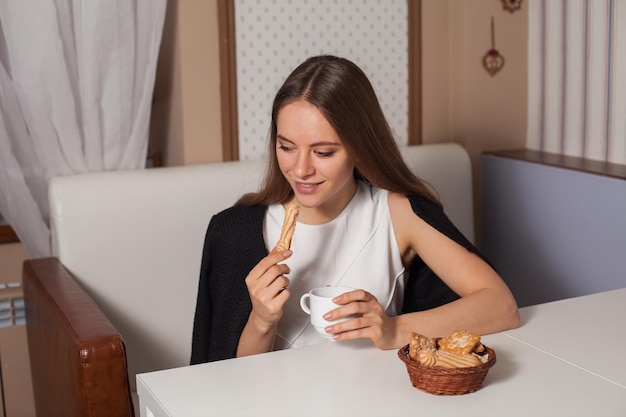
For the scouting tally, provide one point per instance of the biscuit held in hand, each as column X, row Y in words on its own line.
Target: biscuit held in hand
column 292, row 209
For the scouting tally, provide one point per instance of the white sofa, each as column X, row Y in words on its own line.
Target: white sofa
column 133, row 241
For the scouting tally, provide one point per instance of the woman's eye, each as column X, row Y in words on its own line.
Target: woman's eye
column 284, row 148
column 324, row 154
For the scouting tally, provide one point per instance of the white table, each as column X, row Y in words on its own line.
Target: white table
column 355, row 378
column 588, row 331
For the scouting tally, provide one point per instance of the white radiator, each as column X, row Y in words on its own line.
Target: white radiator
column 11, row 305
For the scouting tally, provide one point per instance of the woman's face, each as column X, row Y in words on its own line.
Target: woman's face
column 314, row 162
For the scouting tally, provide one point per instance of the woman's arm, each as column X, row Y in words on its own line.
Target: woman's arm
column 486, row 304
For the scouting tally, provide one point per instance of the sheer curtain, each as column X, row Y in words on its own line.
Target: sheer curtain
column 576, row 87
column 76, row 83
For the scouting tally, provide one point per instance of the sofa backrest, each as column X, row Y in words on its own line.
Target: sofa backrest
column 448, row 169
column 133, row 239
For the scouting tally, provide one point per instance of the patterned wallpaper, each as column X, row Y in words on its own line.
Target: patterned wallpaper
column 274, row 36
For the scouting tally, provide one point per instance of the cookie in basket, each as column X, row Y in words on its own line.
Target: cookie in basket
column 441, row 372
column 419, row 343
column 460, row 342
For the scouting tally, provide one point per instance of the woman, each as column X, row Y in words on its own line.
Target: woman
column 366, row 222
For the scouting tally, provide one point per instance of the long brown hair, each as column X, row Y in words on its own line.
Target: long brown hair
column 344, row 95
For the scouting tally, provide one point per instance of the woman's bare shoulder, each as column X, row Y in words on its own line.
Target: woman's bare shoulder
column 406, row 223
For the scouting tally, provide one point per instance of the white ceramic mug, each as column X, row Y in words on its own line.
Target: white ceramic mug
column 318, row 302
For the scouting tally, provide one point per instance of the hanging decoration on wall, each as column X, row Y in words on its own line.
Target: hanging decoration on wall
column 492, row 60
column 511, row 5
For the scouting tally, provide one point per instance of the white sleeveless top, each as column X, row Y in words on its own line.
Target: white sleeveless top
column 357, row 249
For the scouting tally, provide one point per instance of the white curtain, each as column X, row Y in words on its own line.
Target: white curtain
column 76, row 83
column 576, row 83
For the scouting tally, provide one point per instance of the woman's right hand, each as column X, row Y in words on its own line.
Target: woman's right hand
column 267, row 287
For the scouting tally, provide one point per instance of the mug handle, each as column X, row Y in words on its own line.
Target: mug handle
column 303, row 303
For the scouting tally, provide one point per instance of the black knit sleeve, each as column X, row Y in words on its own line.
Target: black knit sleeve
column 233, row 246
column 201, row 334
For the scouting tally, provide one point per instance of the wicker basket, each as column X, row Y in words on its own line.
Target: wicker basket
column 446, row 381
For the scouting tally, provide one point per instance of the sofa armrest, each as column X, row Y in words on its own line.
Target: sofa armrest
column 78, row 359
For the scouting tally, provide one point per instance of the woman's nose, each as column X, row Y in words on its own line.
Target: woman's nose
column 304, row 168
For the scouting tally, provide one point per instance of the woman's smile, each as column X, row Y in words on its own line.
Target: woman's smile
column 307, row 187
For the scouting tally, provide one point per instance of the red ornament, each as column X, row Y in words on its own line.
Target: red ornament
column 492, row 60
column 511, row 5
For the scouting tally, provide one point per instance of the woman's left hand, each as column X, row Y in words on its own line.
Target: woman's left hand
column 370, row 320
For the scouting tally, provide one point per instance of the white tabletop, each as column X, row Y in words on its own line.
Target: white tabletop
column 588, row 331
column 355, row 378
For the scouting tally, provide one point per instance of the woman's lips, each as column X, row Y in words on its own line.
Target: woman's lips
column 307, row 187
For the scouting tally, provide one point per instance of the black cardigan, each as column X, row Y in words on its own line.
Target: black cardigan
column 234, row 244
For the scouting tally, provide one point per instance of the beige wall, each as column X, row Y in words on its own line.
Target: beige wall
column 186, row 118
column 11, row 257
column 461, row 101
